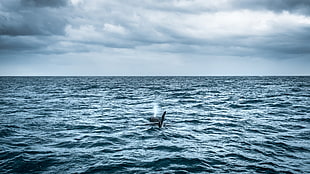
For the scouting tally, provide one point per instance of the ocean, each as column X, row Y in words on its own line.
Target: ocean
column 101, row 124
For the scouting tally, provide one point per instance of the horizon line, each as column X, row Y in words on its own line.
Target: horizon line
column 300, row 75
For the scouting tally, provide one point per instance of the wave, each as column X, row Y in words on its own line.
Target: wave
column 100, row 125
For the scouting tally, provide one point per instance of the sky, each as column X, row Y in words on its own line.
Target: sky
column 154, row 37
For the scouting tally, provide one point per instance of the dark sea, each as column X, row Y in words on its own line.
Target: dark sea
column 101, row 125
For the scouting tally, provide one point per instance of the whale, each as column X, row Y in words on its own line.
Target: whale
column 158, row 121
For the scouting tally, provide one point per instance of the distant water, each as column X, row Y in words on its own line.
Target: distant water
column 99, row 125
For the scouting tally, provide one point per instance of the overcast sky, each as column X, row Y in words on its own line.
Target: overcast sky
column 155, row 37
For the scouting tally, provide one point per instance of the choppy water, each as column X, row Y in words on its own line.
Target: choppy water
column 99, row 125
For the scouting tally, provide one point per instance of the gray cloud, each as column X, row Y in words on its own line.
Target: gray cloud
column 31, row 25
column 45, row 3
column 21, row 43
column 198, row 6
column 298, row 6
column 32, row 17
column 188, row 29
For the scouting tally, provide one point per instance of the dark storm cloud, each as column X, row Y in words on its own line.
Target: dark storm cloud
column 25, row 24
column 34, row 22
column 32, row 17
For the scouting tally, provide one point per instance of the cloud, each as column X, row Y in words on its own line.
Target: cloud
column 31, row 25
column 44, row 3
column 153, row 23
column 295, row 6
column 21, row 43
column 32, row 17
column 166, row 24
column 196, row 30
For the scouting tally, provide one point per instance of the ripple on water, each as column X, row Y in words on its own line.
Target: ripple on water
column 100, row 125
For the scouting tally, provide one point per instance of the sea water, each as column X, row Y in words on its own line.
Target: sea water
column 100, row 125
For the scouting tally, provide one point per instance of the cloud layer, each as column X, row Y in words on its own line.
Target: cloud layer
column 174, row 37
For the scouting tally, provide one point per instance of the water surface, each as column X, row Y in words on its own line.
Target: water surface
column 99, row 125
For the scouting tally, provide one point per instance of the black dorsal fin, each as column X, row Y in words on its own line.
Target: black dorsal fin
column 160, row 124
